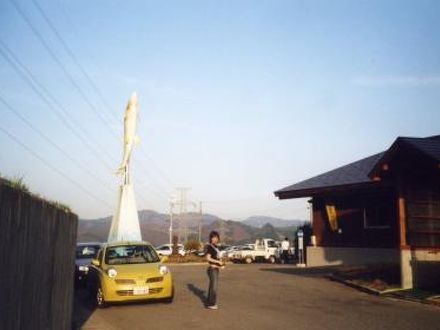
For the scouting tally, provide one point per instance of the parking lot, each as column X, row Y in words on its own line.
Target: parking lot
column 261, row 296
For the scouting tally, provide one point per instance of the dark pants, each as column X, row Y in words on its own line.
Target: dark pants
column 286, row 256
column 213, row 284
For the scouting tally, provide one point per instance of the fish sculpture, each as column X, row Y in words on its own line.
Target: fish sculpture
column 130, row 136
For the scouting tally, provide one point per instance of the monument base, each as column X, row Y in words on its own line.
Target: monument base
column 125, row 222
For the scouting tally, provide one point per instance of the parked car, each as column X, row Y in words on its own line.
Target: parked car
column 291, row 258
column 167, row 249
column 264, row 249
column 236, row 254
column 223, row 248
column 129, row 271
column 85, row 252
column 229, row 252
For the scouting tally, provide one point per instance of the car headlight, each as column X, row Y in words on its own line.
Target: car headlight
column 163, row 270
column 83, row 268
column 111, row 272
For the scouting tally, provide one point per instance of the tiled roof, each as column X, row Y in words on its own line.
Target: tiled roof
column 359, row 172
column 429, row 146
column 353, row 173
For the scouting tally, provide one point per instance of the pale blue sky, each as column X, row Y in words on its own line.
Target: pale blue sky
column 237, row 98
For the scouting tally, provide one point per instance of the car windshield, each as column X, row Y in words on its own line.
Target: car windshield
column 86, row 251
column 130, row 254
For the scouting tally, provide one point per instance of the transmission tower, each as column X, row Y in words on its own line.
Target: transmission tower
column 183, row 208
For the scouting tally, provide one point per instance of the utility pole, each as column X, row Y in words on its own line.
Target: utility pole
column 171, row 223
column 222, row 230
column 183, row 201
column 200, row 221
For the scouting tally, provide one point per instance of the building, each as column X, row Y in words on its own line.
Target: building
column 381, row 209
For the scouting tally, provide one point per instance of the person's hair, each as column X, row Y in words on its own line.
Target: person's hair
column 213, row 234
column 286, row 239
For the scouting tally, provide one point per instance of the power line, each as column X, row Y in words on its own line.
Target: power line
column 62, row 67
column 161, row 173
column 53, row 168
column 89, row 79
column 33, row 83
column 73, row 57
column 50, row 141
column 66, row 72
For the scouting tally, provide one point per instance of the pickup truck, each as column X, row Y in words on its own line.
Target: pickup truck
column 264, row 250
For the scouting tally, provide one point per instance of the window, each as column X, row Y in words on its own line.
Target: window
column 377, row 216
column 423, row 216
column 130, row 254
column 86, row 251
column 271, row 244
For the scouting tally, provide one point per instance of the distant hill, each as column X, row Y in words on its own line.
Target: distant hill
column 260, row 221
column 155, row 225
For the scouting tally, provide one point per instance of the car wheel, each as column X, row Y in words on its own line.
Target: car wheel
column 100, row 301
column 272, row 259
column 248, row 260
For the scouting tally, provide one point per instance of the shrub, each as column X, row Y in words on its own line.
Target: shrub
column 192, row 245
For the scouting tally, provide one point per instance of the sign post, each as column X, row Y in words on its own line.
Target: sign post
column 300, row 237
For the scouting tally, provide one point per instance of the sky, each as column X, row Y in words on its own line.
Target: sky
column 236, row 98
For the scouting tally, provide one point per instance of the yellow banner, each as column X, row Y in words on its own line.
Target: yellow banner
column 332, row 218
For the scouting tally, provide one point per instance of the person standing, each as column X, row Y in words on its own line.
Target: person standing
column 215, row 264
column 285, row 246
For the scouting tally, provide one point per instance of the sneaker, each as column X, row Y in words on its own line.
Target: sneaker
column 212, row 307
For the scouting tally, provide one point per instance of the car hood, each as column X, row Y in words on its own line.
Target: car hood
column 83, row 262
column 133, row 270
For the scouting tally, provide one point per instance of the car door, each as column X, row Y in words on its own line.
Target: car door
column 94, row 271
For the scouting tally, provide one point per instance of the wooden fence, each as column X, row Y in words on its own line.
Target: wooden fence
column 37, row 260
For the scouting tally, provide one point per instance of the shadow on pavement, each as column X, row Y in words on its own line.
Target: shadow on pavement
column 306, row 272
column 197, row 292
column 83, row 307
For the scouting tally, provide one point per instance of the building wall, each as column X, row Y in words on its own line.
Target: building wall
column 422, row 198
column 37, row 258
column 334, row 256
column 352, row 229
column 425, row 266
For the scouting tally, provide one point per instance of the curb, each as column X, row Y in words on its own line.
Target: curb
column 426, row 301
column 190, row 263
column 185, row 263
column 386, row 293
column 361, row 287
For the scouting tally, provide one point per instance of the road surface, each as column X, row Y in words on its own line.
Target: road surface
column 261, row 296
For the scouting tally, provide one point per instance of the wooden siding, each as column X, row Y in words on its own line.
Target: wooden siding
column 37, row 258
column 351, row 220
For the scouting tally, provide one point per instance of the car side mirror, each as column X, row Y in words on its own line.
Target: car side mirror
column 163, row 258
column 95, row 262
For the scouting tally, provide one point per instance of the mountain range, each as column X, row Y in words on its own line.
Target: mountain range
column 260, row 221
column 155, row 227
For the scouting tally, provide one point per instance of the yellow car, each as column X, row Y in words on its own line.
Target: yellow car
column 129, row 271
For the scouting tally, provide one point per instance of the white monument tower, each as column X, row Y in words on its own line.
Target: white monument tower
column 125, row 222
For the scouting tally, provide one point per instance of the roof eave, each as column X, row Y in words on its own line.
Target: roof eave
column 301, row 193
column 390, row 153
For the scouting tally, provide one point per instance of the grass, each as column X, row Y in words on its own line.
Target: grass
column 379, row 277
column 17, row 183
column 188, row 258
column 418, row 294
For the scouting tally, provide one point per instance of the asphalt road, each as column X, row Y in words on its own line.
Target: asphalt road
column 262, row 296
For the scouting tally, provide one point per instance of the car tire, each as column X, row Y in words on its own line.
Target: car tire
column 272, row 259
column 248, row 260
column 99, row 298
